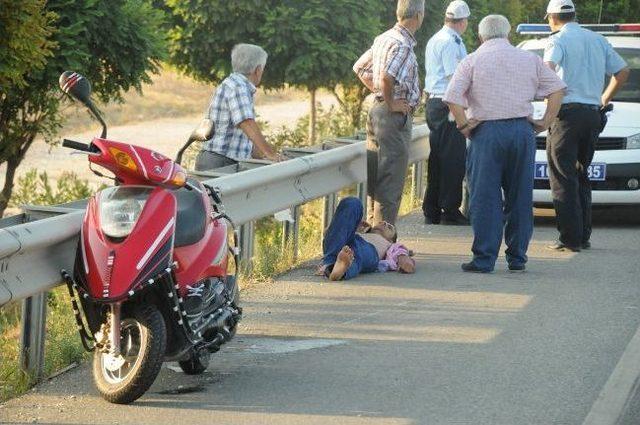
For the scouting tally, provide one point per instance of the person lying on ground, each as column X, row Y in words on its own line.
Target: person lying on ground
column 351, row 246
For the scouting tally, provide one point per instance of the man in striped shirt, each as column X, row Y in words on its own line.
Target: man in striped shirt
column 390, row 70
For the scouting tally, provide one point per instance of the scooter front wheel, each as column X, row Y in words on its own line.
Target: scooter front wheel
column 143, row 340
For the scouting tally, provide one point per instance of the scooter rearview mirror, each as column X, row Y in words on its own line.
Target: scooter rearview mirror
column 76, row 86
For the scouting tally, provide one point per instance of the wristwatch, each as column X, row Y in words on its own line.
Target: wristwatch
column 463, row 126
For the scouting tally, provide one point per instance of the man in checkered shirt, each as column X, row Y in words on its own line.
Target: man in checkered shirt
column 390, row 70
column 236, row 133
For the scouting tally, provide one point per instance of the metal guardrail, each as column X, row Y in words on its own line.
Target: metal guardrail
column 32, row 253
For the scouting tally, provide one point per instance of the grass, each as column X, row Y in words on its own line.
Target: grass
column 62, row 345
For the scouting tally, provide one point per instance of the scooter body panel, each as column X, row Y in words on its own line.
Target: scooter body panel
column 206, row 258
column 135, row 165
column 115, row 267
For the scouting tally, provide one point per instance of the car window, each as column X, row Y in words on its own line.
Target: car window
column 631, row 91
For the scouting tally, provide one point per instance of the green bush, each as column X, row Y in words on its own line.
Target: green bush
column 35, row 189
column 332, row 122
column 62, row 345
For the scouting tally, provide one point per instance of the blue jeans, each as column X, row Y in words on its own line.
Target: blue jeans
column 341, row 232
column 501, row 159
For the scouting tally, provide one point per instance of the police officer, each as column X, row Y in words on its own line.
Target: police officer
column 448, row 146
column 581, row 58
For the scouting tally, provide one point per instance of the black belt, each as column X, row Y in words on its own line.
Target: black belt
column 567, row 106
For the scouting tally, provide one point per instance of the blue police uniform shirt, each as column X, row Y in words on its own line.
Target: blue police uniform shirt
column 444, row 52
column 582, row 59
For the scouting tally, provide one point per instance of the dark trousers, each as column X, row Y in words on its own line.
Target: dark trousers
column 341, row 232
column 206, row 161
column 446, row 162
column 570, row 146
column 501, row 160
column 388, row 137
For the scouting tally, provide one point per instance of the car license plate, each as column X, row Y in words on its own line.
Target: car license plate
column 596, row 171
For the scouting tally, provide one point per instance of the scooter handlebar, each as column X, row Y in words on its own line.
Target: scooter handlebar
column 66, row 143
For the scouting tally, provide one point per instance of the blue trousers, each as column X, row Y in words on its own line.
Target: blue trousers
column 500, row 161
column 341, row 232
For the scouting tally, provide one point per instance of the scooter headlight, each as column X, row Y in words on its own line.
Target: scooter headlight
column 120, row 208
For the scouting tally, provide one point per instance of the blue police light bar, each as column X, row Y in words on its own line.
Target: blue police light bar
column 533, row 29
column 619, row 29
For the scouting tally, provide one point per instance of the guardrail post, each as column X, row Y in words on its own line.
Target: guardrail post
column 362, row 194
column 329, row 210
column 418, row 180
column 291, row 231
column 247, row 237
column 34, row 316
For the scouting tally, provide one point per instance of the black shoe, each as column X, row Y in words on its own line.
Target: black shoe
column 455, row 219
column 559, row 246
column 472, row 268
column 515, row 268
column 431, row 220
column 586, row 245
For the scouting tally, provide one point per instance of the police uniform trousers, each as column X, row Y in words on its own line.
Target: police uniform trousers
column 446, row 164
column 500, row 169
column 388, row 138
column 570, row 147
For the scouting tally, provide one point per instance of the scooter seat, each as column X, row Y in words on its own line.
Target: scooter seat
column 191, row 217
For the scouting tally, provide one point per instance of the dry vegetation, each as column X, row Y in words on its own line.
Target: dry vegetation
column 171, row 95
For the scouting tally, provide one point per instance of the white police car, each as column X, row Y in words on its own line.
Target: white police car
column 615, row 170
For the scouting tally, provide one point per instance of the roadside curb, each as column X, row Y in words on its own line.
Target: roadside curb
column 622, row 385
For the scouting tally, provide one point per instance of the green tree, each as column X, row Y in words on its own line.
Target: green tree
column 115, row 44
column 317, row 41
column 311, row 44
column 24, row 28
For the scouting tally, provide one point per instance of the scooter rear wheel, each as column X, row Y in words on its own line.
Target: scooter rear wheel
column 197, row 362
column 143, row 342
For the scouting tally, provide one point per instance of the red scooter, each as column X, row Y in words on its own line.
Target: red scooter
column 151, row 265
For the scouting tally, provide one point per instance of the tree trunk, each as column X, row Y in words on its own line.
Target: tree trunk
column 13, row 162
column 312, row 117
column 7, row 190
column 351, row 102
column 356, row 114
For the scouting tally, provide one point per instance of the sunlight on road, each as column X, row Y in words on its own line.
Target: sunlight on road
column 384, row 313
column 381, row 332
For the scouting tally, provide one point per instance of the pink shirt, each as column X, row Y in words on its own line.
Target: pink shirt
column 499, row 81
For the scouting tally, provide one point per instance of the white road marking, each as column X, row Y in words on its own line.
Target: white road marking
column 622, row 385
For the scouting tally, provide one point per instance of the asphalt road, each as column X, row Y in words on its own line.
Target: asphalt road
column 437, row 347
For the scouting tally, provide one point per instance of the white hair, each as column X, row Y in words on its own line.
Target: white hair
column 494, row 26
column 408, row 9
column 245, row 58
